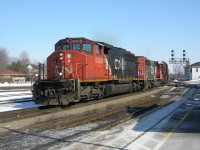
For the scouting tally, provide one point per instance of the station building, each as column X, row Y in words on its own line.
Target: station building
column 11, row 76
column 195, row 71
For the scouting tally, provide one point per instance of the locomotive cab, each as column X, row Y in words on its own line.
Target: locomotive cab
column 71, row 59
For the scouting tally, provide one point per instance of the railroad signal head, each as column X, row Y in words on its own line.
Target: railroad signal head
column 184, row 54
column 172, row 53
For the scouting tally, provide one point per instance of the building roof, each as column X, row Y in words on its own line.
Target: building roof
column 195, row 64
column 9, row 72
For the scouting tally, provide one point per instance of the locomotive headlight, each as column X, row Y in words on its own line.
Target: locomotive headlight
column 61, row 56
column 60, row 73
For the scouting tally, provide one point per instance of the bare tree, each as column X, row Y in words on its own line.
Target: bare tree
column 3, row 58
column 178, row 71
column 35, row 62
column 24, row 59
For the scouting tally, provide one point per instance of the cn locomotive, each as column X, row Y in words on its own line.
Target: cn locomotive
column 81, row 70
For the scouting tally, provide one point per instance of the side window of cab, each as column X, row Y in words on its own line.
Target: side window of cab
column 98, row 49
column 87, row 47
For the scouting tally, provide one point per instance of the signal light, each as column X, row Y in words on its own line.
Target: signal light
column 184, row 54
column 172, row 54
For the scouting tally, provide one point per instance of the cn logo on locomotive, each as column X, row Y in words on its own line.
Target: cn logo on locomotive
column 119, row 64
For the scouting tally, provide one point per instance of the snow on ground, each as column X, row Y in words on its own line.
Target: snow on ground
column 15, row 96
column 6, row 84
column 193, row 82
column 16, row 106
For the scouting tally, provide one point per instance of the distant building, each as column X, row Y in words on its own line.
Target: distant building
column 195, row 71
column 32, row 72
column 11, row 76
column 32, row 69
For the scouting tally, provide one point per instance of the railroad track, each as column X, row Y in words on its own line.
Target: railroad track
column 104, row 119
column 9, row 116
column 9, row 97
column 107, row 119
column 32, row 112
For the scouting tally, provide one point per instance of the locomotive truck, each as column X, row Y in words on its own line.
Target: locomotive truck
column 81, row 70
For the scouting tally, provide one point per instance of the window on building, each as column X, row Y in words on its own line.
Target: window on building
column 87, row 47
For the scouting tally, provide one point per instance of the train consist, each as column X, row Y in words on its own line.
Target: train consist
column 81, row 69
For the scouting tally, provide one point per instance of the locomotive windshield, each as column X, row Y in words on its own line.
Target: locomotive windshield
column 80, row 44
column 66, row 47
column 75, row 46
column 63, row 47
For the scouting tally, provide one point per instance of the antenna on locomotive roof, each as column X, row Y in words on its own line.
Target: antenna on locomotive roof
column 148, row 52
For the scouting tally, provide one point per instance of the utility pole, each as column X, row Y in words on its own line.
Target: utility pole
column 185, row 62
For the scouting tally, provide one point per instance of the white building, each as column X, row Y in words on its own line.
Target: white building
column 195, row 71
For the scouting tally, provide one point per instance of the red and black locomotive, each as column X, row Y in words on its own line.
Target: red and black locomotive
column 82, row 69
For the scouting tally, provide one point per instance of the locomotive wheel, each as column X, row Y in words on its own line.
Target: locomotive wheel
column 131, row 89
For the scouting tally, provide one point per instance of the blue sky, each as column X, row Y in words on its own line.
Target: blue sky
column 145, row 27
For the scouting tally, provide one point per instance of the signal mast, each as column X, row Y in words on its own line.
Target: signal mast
column 185, row 62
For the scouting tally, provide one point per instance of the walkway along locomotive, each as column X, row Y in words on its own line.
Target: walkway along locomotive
column 82, row 69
